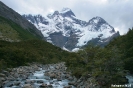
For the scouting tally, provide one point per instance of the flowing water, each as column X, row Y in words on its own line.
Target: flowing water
column 130, row 80
column 38, row 78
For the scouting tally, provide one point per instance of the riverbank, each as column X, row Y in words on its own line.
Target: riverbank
column 42, row 76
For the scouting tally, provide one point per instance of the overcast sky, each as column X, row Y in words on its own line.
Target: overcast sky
column 118, row 13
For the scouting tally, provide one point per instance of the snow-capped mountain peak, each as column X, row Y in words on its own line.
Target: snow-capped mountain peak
column 96, row 20
column 99, row 24
column 64, row 30
column 66, row 12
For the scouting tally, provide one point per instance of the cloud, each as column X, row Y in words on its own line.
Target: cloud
column 117, row 13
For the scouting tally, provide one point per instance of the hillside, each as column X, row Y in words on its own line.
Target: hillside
column 14, row 54
column 125, row 45
column 11, row 31
column 17, row 22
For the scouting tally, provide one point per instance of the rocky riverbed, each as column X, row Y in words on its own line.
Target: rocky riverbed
column 41, row 76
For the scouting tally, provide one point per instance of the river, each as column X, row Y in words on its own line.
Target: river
column 45, row 76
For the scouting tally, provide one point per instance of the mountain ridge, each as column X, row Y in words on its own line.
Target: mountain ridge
column 65, row 30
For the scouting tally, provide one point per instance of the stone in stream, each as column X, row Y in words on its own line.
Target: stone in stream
column 67, row 86
column 2, row 79
column 17, row 83
column 5, row 72
column 43, row 85
column 28, row 81
column 72, row 83
column 46, row 86
column 49, row 86
column 2, row 75
column 52, row 75
column 27, row 86
column 40, row 81
column 59, row 78
column 57, row 67
column 70, row 78
column 9, row 84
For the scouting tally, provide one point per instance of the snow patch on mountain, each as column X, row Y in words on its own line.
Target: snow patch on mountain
column 89, row 35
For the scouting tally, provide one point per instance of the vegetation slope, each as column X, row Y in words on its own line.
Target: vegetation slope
column 10, row 31
column 125, row 45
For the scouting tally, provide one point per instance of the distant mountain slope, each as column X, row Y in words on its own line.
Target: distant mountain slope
column 12, row 18
column 65, row 30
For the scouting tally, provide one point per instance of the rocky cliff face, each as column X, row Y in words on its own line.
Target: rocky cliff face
column 10, row 14
column 65, row 30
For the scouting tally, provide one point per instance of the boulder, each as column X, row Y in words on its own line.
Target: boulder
column 27, row 86
column 16, row 83
column 49, row 86
column 70, row 78
column 71, row 83
column 52, row 75
column 2, row 79
column 2, row 75
column 57, row 67
column 68, row 86
column 43, row 85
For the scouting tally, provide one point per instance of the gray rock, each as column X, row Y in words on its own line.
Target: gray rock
column 43, row 85
column 2, row 79
column 52, row 75
column 9, row 84
column 71, row 83
column 27, row 86
column 2, row 75
column 16, row 83
column 28, row 81
column 49, row 86
column 71, row 78
column 68, row 86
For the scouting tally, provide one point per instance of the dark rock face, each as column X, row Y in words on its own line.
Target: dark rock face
column 34, row 19
column 80, row 22
column 58, row 39
column 62, row 41
column 10, row 14
column 64, row 30
column 72, row 41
